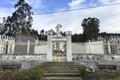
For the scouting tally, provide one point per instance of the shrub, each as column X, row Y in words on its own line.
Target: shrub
column 85, row 71
column 36, row 72
column 30, row 74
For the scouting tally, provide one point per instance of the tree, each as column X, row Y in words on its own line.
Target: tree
column 90, row 28
column 42, row 32
column 22, row 17
column 1, row 28
column 7, row 27
column 42, row 35
column 77, row 37
column 20, row 21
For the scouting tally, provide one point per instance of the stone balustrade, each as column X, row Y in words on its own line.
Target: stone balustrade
column 96, row 57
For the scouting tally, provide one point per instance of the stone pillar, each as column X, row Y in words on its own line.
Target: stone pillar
column 28, row 47
column 69, row 46
column 13, row 47
column 49, row 46
column 109, row 50
column 8, row 47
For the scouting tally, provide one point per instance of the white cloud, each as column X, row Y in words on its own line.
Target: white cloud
column 4, row 12
column 105, row 1
column 109, row 17
column 109, row 1
column 75, row 3
column 36, row 4
column 82, row 3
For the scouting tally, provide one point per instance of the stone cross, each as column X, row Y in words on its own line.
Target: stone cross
column 58, row 27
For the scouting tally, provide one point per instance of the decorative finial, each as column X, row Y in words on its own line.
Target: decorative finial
column 58, row 27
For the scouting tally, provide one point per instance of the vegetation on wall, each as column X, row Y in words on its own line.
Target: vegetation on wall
column 102, row 75
column 30, row 74
column 87, row 73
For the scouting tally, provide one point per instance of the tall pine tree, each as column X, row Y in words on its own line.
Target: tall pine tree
column 90, row 28
column 22, row 17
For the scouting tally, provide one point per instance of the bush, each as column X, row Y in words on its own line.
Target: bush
column 30, row 74
column 36, row 72
column 85, row 72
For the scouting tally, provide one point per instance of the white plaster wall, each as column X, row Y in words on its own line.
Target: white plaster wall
column 78, row 48
column 96, row 47
column 42, row 49
column 88, row 48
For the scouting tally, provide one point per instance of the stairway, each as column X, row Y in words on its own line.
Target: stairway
column 61, row 71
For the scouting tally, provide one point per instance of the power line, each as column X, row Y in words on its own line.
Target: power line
column 75, row 9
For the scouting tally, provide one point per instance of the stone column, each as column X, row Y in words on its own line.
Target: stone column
column 8, row 47
column 109, row 50
column 28, row 47
column 49, row 46
column 69, row 46
column 13, row 48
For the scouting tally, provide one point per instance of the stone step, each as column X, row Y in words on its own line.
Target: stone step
column 59, row 63
column 61, row 78
column 62, row 65
column 61, row 74
column 61, row 70
column 56, row 68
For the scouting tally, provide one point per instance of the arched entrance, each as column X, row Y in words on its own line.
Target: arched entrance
column 59, row 46
column 59, row 51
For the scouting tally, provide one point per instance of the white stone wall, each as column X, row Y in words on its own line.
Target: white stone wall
column 95, row 47
column 42, row 49
column 88, row 48
column 77, row 48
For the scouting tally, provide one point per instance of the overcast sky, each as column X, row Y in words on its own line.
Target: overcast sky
column 109, row 16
